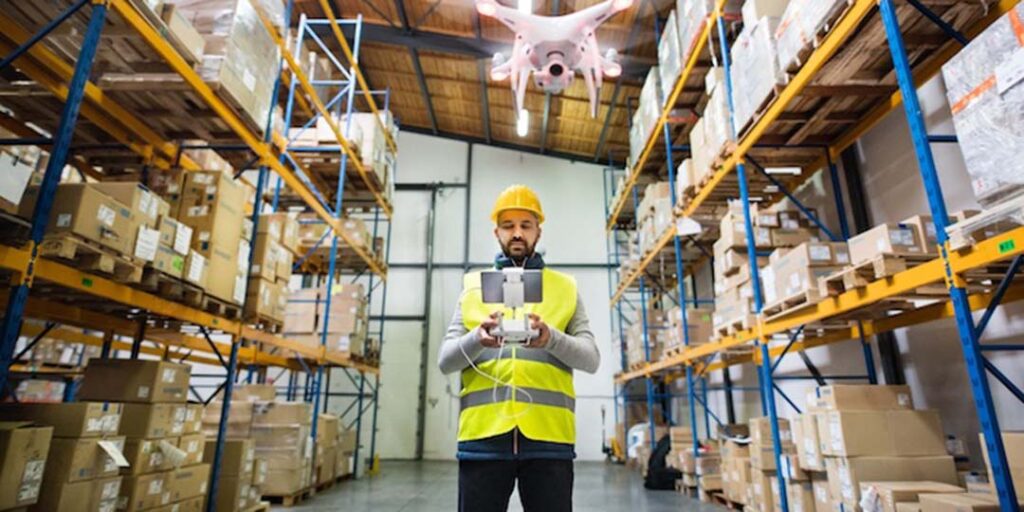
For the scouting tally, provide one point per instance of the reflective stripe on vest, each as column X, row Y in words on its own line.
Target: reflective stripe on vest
column 526, row 395
column 488, row 411
column 522, row 353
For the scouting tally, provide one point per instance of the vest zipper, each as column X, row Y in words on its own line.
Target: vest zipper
column 515, row 442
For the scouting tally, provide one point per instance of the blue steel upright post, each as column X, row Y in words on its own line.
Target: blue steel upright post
column 767, row 386
column 14, row 313
column 973, row 358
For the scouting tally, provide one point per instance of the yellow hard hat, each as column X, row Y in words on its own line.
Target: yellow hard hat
column 518, row 197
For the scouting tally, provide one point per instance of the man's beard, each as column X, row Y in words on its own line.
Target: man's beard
column 527, row 252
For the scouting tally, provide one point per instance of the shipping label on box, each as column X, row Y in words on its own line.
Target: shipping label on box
column 135, row 380
column 74, row 419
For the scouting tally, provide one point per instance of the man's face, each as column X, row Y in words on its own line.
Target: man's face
column 517, row 232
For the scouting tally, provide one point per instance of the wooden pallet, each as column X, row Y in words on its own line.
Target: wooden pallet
column 91, row 257
column 759, row 112
column 169, row 287
column 265, row 323
column 14, row 230
column 719, row 498
column 792, row 304
column 221, row 308
column 736, row 325
column 1000, row 218
column 290, row 500
column 860, row 275
column 263, row 506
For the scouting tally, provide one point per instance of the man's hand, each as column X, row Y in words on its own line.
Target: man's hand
column 485, row 331
column 543, row 332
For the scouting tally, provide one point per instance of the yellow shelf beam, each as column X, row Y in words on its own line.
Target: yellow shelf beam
column 52, row 72
column 74, row 279
column 982, row 255
column 268, row 157
column 670, row 103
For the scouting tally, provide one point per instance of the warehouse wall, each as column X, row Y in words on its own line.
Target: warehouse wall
column 572, row 197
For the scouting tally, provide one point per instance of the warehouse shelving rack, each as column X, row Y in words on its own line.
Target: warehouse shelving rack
column 1004, row 251
column 112, row 124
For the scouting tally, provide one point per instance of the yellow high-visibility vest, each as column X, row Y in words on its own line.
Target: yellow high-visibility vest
column 543, row 406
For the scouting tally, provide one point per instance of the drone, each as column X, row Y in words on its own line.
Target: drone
column 554, row 48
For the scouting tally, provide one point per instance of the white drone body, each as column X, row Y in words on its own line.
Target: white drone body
column 554, row 48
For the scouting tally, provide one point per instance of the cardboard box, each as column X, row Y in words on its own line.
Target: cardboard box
column 283, row 457
column 239, row 419
column 927, row 237
column 854, row 397
column 153, row 421
column 79, row 459
column 761, row 431
column 889, row 494
column 146, row 207
column 347, row 441
column 237, row 457
column 800, row 496
column 905, row 433
column 327, row 430
column 259, row 471
column 325, row 465
column 232, row 493
column 75, row 419
column 24, row 447
column 282, row 482
column 781, row 237
column 96, row 495
column 196, row 504
column 84, row 211
column 264, row 257
column 169, row 262
column 186, row 39
column 282, row 413
column 846, row 474
column 894, row 239
column 194, row 446
column 805, row 437
column 142, row 492
column 188, row 482
column 822, row 494
column 1013, row 445
column 762, row 458
column 197, row 269
column 175, row 235
column 135, row 380
column 761, row 491
column 212, row 203
column 285, row 229
column 254, row 392
column 193, row 419
column 343, row 464
column 262, row 300
column 147, row 456
column 754, row 10
column 961, row 503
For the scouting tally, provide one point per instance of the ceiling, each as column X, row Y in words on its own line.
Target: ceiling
column 435, row 55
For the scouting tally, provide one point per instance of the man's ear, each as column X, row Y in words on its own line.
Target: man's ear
column 496, row 233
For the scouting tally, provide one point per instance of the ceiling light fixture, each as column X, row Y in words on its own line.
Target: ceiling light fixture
column 523, row 122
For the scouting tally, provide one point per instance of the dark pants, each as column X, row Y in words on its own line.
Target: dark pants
column 545, row 485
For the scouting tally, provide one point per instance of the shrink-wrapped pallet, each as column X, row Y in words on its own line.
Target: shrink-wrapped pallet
column 670, row 63
column 801, row 22
column 241, row 57
column 650, row 102
column 693, row 15
column 984, row 85
column 755, row 69
column 717, row 125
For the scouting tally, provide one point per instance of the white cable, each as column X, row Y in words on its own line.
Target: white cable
column 497, row 380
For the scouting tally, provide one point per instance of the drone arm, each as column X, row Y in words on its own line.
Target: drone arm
column 511, row 18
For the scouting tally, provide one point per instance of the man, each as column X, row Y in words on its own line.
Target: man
column 526, row 435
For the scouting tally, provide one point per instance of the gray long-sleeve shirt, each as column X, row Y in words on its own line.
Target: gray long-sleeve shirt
column 575, row 347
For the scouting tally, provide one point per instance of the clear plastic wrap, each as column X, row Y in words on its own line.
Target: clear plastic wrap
column 796, row 30
column 241, row 56
column 691, row 16
column 986, row 92
column 650, row 102
column 670, row 63
column 717, row 128
column 755, row 69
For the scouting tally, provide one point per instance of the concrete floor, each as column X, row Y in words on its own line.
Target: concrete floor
column 431, row 487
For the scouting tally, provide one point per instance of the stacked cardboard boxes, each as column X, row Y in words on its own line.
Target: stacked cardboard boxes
column 237, row 474
column 863, row 434
column 763, row 491
column 281, row 434
column 163, row 443
column 59, row 352
column 24, row 448
column 736, row 470
column 275, row 246
column 698, row 323
column 347, row 441
column 800, row 23
column 345, row 322
column 326, row 448
column 213, row 205
column 794, row 273
column 240, row 57
column 654, row 215
column 755, row 69
column 658, row 333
